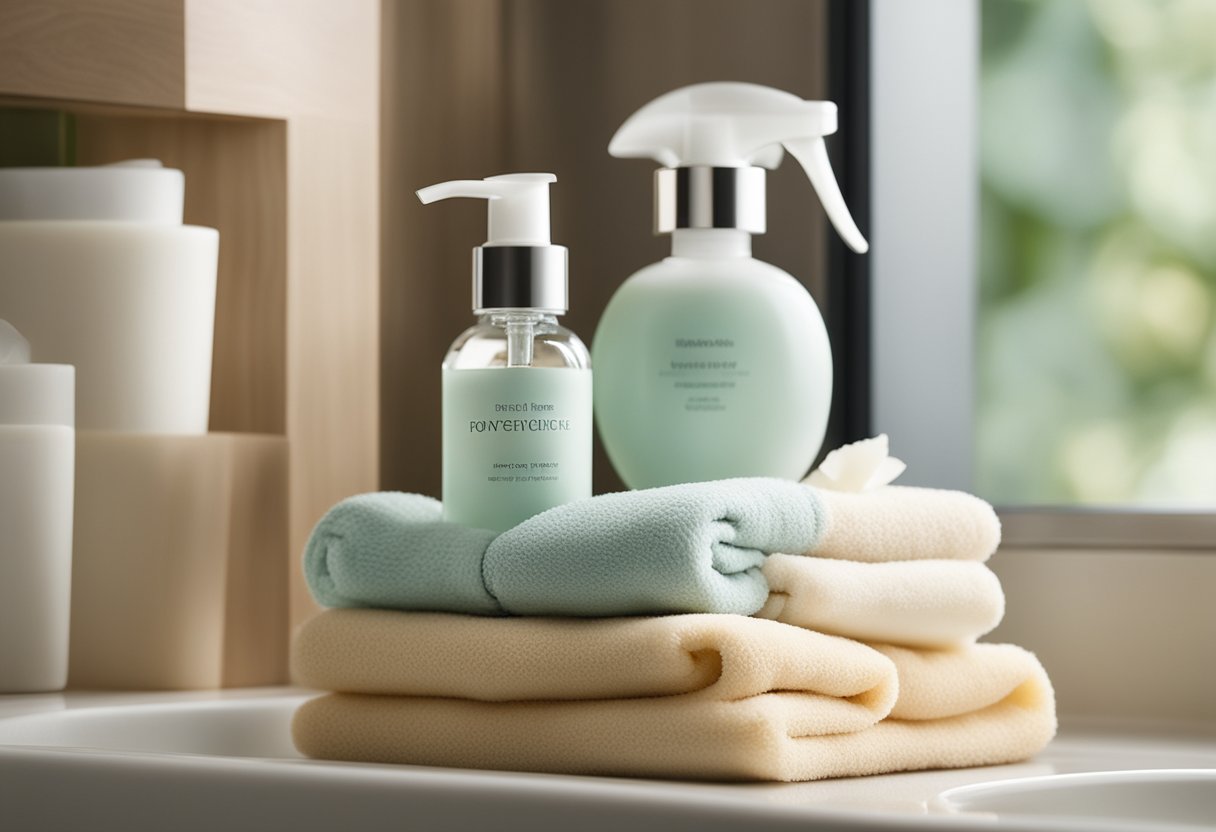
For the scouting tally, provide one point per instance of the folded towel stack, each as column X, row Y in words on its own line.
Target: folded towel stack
column 868, row 663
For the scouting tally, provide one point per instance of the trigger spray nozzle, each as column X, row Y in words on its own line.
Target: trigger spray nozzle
column 713, row 140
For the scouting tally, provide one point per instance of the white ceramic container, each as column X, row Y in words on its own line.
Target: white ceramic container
column 37, row 468
column 131, row 305
column 139, row 190
column 97, row 270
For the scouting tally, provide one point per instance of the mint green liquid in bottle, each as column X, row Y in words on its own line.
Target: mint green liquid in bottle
column 516, row 386
column 711, row 364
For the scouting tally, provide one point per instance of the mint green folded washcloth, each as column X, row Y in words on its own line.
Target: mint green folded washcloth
column 684, row 548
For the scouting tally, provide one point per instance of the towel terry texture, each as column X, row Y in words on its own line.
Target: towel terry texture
column 719, row 657
column 393, row 550
column 902, row 523
column 861, row 658
column 927, row 603
column 684, row 548
column 698, row 696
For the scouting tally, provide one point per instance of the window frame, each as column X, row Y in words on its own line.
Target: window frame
column 921, row 94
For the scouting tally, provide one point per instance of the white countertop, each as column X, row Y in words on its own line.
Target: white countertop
column 231, row 748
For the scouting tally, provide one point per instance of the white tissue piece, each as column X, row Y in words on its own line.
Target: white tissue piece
column 859, row 466
column 14, row 349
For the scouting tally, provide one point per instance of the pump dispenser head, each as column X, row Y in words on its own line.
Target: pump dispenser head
column 713, row 141
column 517, row 267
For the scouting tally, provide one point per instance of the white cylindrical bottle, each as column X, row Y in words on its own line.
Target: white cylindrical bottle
column 37, row 472
column 517, row 386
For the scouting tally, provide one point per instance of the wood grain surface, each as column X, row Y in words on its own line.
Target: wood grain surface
column 116, row 51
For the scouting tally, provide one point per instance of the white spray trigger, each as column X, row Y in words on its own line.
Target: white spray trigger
column 518, row 210
column 812, row 154
column 730, row 124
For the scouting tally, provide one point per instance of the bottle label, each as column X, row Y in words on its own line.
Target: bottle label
column 705, row 373
column 516, row 441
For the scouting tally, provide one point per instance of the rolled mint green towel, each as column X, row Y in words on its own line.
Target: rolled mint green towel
column 394, row 551
column 683, row 548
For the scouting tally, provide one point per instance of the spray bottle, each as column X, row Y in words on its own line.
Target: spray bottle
column 711, row 364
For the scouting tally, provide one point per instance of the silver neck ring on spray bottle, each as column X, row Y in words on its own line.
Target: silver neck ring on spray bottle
column 709, row 197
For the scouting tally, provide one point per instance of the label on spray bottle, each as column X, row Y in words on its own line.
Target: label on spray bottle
column 516, row 441
column 705, row 373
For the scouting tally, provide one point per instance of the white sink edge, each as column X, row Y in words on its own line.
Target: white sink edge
column 970, row 799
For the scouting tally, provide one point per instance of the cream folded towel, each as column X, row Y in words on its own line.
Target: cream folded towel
column 867, row 519
column 928, row 603
column 904, row 523
column 718, row 657
column 935, row 684
column 695, row 696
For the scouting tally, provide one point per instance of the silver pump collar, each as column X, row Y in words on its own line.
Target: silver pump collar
column 709, row 197
column 520, row 277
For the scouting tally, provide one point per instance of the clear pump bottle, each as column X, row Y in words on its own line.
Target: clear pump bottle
column 517, row 385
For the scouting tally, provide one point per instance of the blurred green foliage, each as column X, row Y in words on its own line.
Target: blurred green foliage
column 1096, row 335
column 36, row 138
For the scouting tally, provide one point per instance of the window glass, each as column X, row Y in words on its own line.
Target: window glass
column 1097, row 350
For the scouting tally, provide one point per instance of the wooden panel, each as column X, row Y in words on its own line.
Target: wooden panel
column 236, row 181
column 282, row 58
column 316, row 64
column 443, row 118
column 332, row 302
column 119, row 51
column 177, row 579
column 256, row 595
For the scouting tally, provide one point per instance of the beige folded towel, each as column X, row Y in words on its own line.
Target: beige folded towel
column 694, row 696
column 927, row 603
column 716, row 657
column 901, row 523
column 936, row 684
